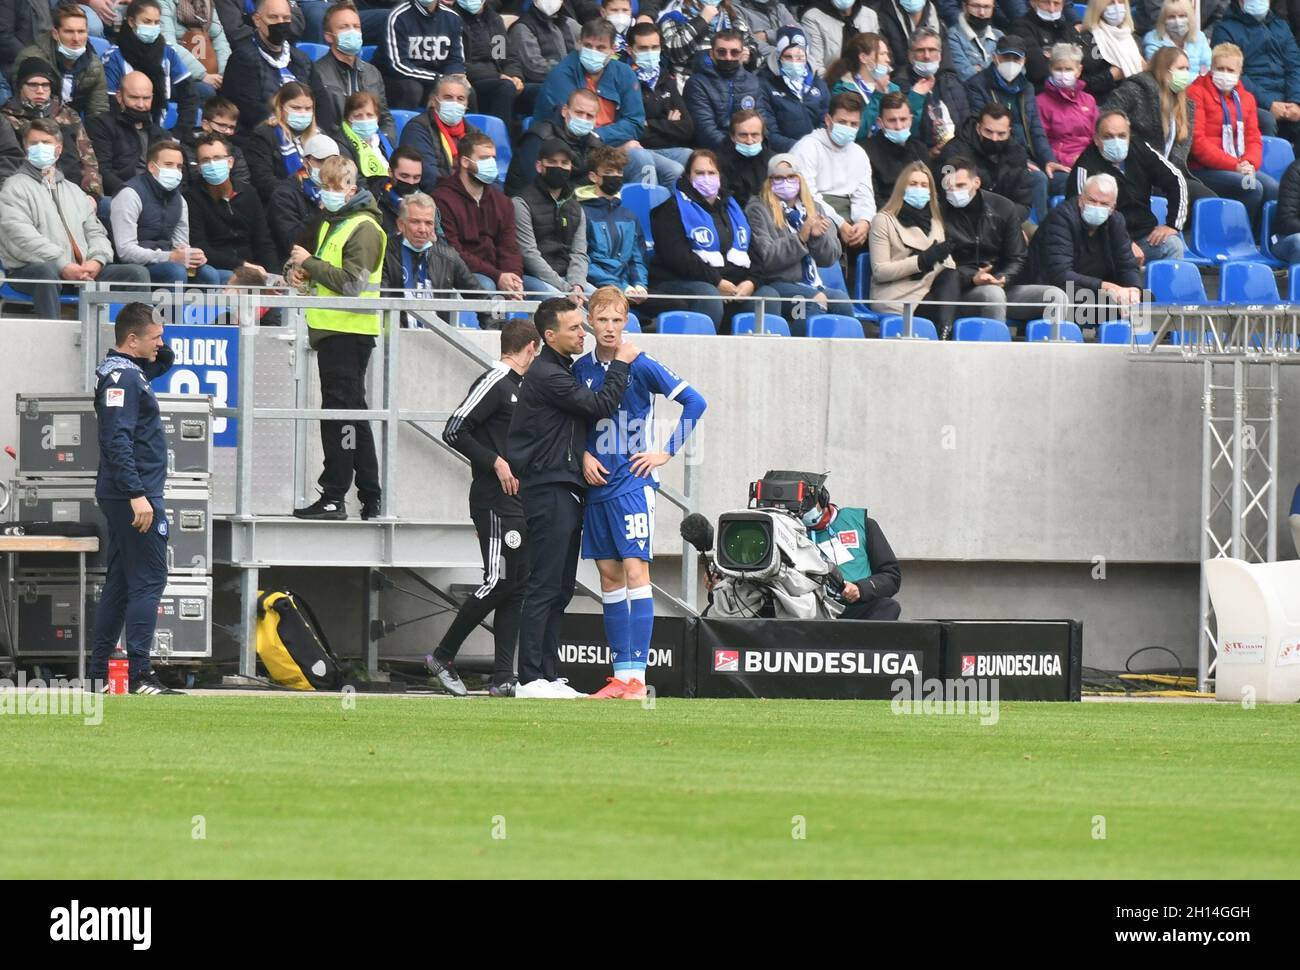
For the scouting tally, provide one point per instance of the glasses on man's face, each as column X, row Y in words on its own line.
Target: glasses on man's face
column 222, row 127
column 38, row 85
column 727, row 54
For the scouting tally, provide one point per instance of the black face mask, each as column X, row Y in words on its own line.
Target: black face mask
column 136, row 115
column 277, row 34
column 611, row 184
column 991, row 147
column 403, row 189
column 555, row 177
column 978, row 23
column 727, row 68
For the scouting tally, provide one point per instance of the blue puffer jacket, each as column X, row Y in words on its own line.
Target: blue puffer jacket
column 1026, row 127
column 794, row 118
column 615, row 245
column 617, row 83
column 1272, row 58
column 712, row 100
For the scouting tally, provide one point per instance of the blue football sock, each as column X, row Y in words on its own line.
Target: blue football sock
column 642, row 606
column 617, row 623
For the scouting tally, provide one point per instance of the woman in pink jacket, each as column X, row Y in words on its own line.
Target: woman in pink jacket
column 1067, row 110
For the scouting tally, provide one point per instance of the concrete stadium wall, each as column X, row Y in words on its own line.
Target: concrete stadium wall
column 1002, row 474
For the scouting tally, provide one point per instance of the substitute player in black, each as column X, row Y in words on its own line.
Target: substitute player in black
column 548, row 436
column 129, row 491
column 478, row 430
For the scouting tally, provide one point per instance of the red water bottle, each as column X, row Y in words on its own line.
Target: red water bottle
column 118, row 672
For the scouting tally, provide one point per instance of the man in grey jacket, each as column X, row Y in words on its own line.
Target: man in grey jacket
column 48, row 229
column 342, row 72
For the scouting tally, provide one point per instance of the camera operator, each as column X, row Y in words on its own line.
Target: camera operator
column 854, row 542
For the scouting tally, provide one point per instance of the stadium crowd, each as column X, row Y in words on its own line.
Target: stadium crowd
column 982, row 154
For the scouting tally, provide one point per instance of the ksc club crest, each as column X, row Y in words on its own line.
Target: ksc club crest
column 747, row 102
column 702, row 235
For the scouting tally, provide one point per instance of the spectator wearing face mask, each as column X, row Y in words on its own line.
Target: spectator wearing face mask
column 1271, row 64
column 151, row 224
column 543, row 36
column 1000, row 161
column 838, row 170
column 1176, row 27
column 552, row 229
column 342, row 73
column 294, row 201
column 220, row 117
column 35, row 98
column 227, row 223
column 479, row 221
column 1051, row 22
column 406, row 170
column 689, row 26
column 830, row 25
column 497, row 77
column 937, row 95
column 719, row 87
column 141, row 47
column 573, row 123
column 797, row 96
column 1227, row 149
column 892, row 148
column 765, row 18
column 362, row 140
column 973, row 40
column 615, row 241
column 743, row 159
column 261, row 64
column 1067, row 110
column 420, row 264
column 275, row 148
column 437, row 132
column 122, row 136
column 66, row 49
column 900, row 20
column 864, row 69
column 669, row 129
column 425, row 41
column 618, row 13
column 1109, row 25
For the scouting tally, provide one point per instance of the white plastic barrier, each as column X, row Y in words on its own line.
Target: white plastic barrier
column 1257, row 609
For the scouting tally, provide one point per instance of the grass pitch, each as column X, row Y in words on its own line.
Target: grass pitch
column 415, row 787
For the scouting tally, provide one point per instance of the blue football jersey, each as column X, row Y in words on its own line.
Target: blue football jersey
column 631, row 430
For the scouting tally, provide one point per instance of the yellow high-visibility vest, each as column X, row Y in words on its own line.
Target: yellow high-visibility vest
column 329, row 248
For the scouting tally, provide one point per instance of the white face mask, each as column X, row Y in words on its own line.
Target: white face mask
column 548, row 7
column 1063, row 79
column 1225, row 81
column 1010, row 70
column 813, row 516
column 1115, row 14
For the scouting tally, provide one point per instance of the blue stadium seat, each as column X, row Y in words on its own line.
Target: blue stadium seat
column 100, row 45
column 1080, row 9
column 684, row 322
column 495, row 128
column 1160, row 209
column 834, row 325
column 1247, row 282
column 1175, row 281
column 833, row 278
column 1278, row 156
column 862, row 287
column 169, row 118
column 10, row 295
column 314, row 51
column 400, row 118
column 1266, row 234
column 466, row 319
column 983, row 329
column 1178, row 337
column 891, row 325
column 1121, row 332
column 368, row 53
column 1293, row 286
column 633, row 323
column 640, row 199
column 743, row 323
column 1221, row 231
column 1042, row 330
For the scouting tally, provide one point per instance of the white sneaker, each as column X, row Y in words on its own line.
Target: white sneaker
column 538, row 688
column 561, row 688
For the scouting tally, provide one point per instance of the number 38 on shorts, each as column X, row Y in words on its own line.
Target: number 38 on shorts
column 622, row 527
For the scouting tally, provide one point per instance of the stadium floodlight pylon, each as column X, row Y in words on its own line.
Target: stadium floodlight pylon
column 1240, row 350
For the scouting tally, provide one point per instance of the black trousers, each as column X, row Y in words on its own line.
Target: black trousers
column 880, row 608
column 505, row 570
column 137, row 575
column 946, row 287
column 554, row 517
column 348, row 445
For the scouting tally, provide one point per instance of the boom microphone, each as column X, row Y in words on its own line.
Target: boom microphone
column 698, row 531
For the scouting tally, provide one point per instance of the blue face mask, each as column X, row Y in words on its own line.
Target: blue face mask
column 470, row 6
column 1256, row 8
column 748, row 150
column 795, row 71
column 451, row 112
column 349, row 41
column 648, row 60
column 41, row 155
column 898, row 136
column 332, row 200
column 417, row 249
column 880, row 70
column 1115, row 149
column 366, row 129
column 299, row 120
column 168, row 178
column 1095, row 215
column 911, row 6
column 71, row 53
column 215, row 173
column 148, row 33
column 917, row 198
column 486, row 170
column 581, row 127
column 593, row 62
column 843, row 134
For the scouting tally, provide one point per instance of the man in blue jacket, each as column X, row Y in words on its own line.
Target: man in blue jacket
column 615, row 242
column 621, row 118
column 423, row 43
column 719, row 87
column 1272, row 59
column 129, row 491
column 262, row 64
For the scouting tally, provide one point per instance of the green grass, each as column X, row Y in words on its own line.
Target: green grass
column 407, row 787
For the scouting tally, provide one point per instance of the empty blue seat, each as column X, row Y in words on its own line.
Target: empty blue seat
column 684, row 322
column 833, row 278
column 983, row 329
column 1247, row 282
column 1042, row 330
column 1221, row 231
column 1121, row 332
column 400, row 118
column 834, row 325
column 1266, row 234
column 1293, row 286
column 1080, row 9
column 640, row 199
column 633, row 323
column 1188, row 335
column 314, row 51
column 1278, row 156
column 368, row 53
column 891, row 325
column 495, row 128
column 1175, row 281
column 743, row 323
column 862, row 286
column 467, row 319
column 1160, row 209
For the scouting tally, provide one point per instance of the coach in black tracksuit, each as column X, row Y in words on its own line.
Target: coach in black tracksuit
column 129, row 492
column 548, row 435
column 478, row 429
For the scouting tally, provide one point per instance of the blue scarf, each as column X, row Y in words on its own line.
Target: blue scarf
column 794, row 217
column 802, row 87
column 1236, row 147
column 647, row 78
column 293, row 164
column 703, row 234
column 415, row 271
